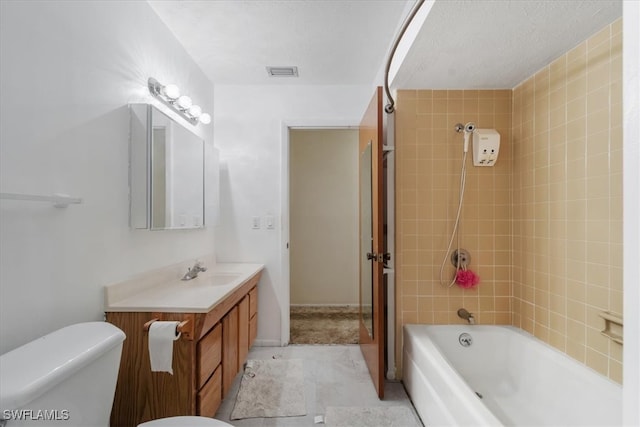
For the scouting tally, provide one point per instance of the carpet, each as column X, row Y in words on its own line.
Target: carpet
column 379, row 416
column 271, row 388
column 324, row 325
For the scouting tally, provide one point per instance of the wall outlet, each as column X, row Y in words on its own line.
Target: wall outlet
column 270, row 222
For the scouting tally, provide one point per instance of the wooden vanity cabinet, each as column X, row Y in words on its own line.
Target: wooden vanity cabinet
column 206, row 360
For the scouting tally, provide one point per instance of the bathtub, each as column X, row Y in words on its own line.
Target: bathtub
column 504, row 377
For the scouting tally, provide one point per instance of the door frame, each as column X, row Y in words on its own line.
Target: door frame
column 285, row 262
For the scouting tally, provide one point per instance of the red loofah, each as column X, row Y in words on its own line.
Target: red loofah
column 467, row 279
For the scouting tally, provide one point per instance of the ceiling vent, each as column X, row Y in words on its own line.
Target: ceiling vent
column 289, row 71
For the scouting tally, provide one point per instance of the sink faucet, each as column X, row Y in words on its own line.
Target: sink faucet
column 464, row 314
column 192, row 273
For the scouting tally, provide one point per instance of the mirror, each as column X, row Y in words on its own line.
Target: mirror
column 366, row 240
column 166, row 172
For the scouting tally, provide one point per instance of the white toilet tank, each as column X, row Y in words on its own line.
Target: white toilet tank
column 67, row 377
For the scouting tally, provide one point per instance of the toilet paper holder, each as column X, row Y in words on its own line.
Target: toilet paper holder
column 184, row 327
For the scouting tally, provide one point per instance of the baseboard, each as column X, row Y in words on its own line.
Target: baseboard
column 267, row 343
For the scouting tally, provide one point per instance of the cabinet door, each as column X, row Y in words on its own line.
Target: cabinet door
column 253, row 302
column 253, row 330
column 243, row 331
column 253, row 315
column 229, row 349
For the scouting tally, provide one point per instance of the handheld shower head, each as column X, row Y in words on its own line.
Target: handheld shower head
column 466, row 142
column 468, row 130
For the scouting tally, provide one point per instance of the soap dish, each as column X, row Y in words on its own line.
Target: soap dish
column 612, row 326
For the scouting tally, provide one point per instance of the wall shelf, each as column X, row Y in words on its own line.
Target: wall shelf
column 58, row 200
column 612, row 326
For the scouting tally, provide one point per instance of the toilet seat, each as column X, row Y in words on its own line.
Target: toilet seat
column 185, row 422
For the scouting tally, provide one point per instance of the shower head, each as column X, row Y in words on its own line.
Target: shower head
column 468, row 130
column 466, row 142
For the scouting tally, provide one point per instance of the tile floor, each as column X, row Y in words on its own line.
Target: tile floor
column 335, row 375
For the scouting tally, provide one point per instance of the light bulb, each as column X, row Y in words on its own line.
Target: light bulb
column 171, row 91
column 195, row 111
column 205, row 118
column 184, row 102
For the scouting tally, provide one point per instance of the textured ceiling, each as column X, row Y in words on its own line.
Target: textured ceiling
column 332, row 42
column 462, row 44
column 485, row 44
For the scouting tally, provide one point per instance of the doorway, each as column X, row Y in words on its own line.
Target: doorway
column 323, row 215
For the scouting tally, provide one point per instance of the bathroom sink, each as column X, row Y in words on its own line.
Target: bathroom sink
column 220, row 279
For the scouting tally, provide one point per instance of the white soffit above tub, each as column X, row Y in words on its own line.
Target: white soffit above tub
column 332, row 42
column 492, row 44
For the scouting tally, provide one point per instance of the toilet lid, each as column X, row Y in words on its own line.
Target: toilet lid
column 185, row 422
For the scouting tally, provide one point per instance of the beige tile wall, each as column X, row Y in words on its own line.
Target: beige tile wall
column 543, row 226
column 567, row 200
column 428, row 166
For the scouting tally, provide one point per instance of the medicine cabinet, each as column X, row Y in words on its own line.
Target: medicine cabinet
column 166, row 172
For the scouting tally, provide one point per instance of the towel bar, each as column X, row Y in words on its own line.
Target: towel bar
column 58, row 200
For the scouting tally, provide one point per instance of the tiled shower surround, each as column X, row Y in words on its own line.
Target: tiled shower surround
column 543, row 226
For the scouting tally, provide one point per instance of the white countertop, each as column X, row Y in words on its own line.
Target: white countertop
column 199, row 295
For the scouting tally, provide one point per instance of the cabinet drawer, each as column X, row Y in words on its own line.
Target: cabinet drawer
column 210, row 396
column 209, row 354
column 253, row 301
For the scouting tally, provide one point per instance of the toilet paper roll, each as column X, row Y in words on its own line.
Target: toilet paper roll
column 161, row 338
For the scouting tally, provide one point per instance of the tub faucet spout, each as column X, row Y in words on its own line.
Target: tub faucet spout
column 464, row 314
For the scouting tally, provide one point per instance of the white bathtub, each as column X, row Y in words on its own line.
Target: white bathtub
column 505, row 377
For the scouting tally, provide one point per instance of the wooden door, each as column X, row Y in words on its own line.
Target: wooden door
column 372, row 336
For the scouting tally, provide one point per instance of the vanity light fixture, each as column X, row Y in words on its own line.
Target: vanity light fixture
column 182, row 104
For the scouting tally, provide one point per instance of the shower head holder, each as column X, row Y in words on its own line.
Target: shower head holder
column 469, row 127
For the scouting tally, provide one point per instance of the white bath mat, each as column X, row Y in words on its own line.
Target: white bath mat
column 379, row 416
column 271, row 388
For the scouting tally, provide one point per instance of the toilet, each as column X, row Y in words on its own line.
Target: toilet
column 68, row 378
column 185, row 422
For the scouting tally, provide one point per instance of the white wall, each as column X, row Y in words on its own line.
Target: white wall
column 324, row 216
column 68, row 71
column 250, row 130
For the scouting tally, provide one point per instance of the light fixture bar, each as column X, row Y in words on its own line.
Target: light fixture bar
column 170, row 96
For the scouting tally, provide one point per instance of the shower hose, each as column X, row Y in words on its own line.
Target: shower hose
column 454, row 233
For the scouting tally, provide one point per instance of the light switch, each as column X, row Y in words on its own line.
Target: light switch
column 270, row 222
column 255, row 222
